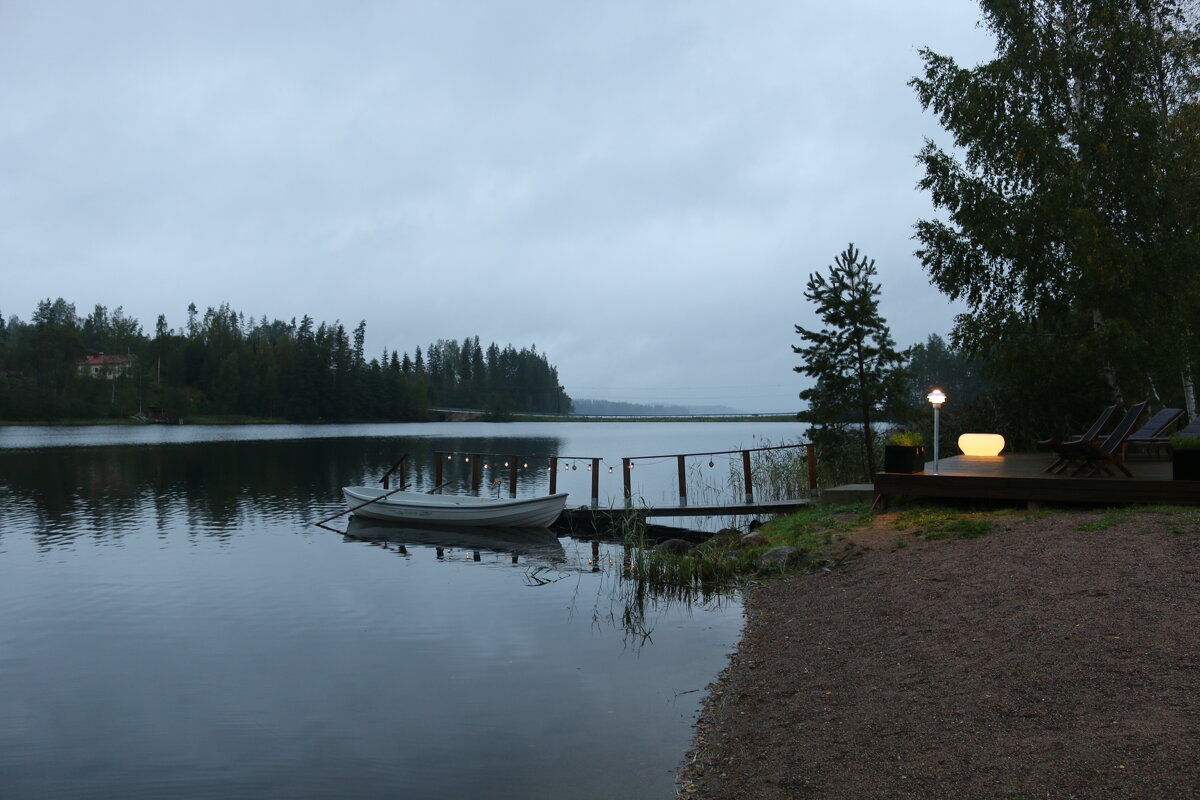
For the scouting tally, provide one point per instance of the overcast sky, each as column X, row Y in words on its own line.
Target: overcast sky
column 638, row 188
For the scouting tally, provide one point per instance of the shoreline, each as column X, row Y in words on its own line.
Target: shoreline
column 211, row 420
column 1054, row 656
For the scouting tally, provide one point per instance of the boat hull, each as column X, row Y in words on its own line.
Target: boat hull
column 454, row 510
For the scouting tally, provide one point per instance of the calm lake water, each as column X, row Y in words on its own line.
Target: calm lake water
column 173, row 625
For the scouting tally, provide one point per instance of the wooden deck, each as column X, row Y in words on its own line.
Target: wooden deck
column 1021, row 477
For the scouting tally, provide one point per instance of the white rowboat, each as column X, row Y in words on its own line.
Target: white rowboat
column 449, row 509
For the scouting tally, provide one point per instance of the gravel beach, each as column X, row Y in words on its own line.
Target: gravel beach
column 1055, row 656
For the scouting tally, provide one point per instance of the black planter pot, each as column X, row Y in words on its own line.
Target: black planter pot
column 1185, row 465
column 904, row 458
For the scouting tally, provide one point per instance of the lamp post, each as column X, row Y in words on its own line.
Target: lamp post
column 936, row 397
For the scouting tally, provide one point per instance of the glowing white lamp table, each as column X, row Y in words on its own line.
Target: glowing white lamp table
column 981, row 444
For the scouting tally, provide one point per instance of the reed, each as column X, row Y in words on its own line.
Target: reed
column 725, row 562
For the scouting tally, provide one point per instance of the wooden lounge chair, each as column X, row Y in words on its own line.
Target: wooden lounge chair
column 1093, row 433
column 1164, row 442
column 1097, row 457
column 1150, row 435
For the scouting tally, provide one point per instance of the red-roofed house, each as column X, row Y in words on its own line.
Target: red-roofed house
column 99, row 365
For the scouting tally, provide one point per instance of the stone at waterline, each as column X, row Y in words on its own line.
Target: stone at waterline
column 726, row 537
column 753, row 540
column 779, row 557
column 673, row 546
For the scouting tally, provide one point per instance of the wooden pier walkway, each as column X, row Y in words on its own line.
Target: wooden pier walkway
column 591, row 514
column 1023, row 477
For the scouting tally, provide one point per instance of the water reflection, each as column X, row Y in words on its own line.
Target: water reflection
column 533, row 544
column 218, row 487
column 170, row 617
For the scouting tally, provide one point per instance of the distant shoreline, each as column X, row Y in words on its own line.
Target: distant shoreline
column 234, row 420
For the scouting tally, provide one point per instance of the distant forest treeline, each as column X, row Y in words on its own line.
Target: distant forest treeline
column 599, row 408
column 224, row 363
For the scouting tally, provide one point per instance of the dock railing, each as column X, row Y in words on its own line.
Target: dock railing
column 512, row 463
column 627, row 464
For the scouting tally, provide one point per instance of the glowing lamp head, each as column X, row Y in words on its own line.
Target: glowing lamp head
column 937, row 397
column 981, row 444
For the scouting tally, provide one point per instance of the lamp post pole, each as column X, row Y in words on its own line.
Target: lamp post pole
column 936, row 397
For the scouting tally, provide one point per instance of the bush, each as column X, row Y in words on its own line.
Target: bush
column 906, row 439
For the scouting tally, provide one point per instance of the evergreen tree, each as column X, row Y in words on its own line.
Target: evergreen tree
column 859, row 374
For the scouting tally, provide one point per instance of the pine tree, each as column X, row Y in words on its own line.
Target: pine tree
column 860, row 377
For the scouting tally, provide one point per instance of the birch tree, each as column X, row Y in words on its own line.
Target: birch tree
column 1070, row 194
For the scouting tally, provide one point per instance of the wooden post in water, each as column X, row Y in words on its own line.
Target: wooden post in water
column 595, row 483
column 682, row 481
column 746, row 474
column 512, row 476
column 626, row 466
column 812, row 468
column 595, row 555
column 476, row 472
column 437, row 469
column 553, row 474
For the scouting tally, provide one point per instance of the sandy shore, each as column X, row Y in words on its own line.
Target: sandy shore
column 1056, row 656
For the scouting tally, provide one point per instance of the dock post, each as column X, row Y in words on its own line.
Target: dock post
column 437, row 469
column 682, row 481
column 625, row 468
column 512, row 476
column 812, row 468
column 476, row 472
column 746, row 474
column 595, row 483
column 553, row 474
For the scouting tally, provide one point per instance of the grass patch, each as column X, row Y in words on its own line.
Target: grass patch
column 1106, row 519
column 722, row 562
column 936, row 522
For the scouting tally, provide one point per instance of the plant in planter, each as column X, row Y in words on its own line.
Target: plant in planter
column 1185, row 458
column 904, row 452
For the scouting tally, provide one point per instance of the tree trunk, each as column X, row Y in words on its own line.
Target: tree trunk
column 1107, row 372
column 1189, row 390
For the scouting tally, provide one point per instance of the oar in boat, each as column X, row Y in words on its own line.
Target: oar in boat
column 322, row 524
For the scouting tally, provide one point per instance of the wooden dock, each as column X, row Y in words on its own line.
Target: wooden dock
column 588, row 514
column 1021, row 477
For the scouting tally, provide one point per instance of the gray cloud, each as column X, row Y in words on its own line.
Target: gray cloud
column 639, row 189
